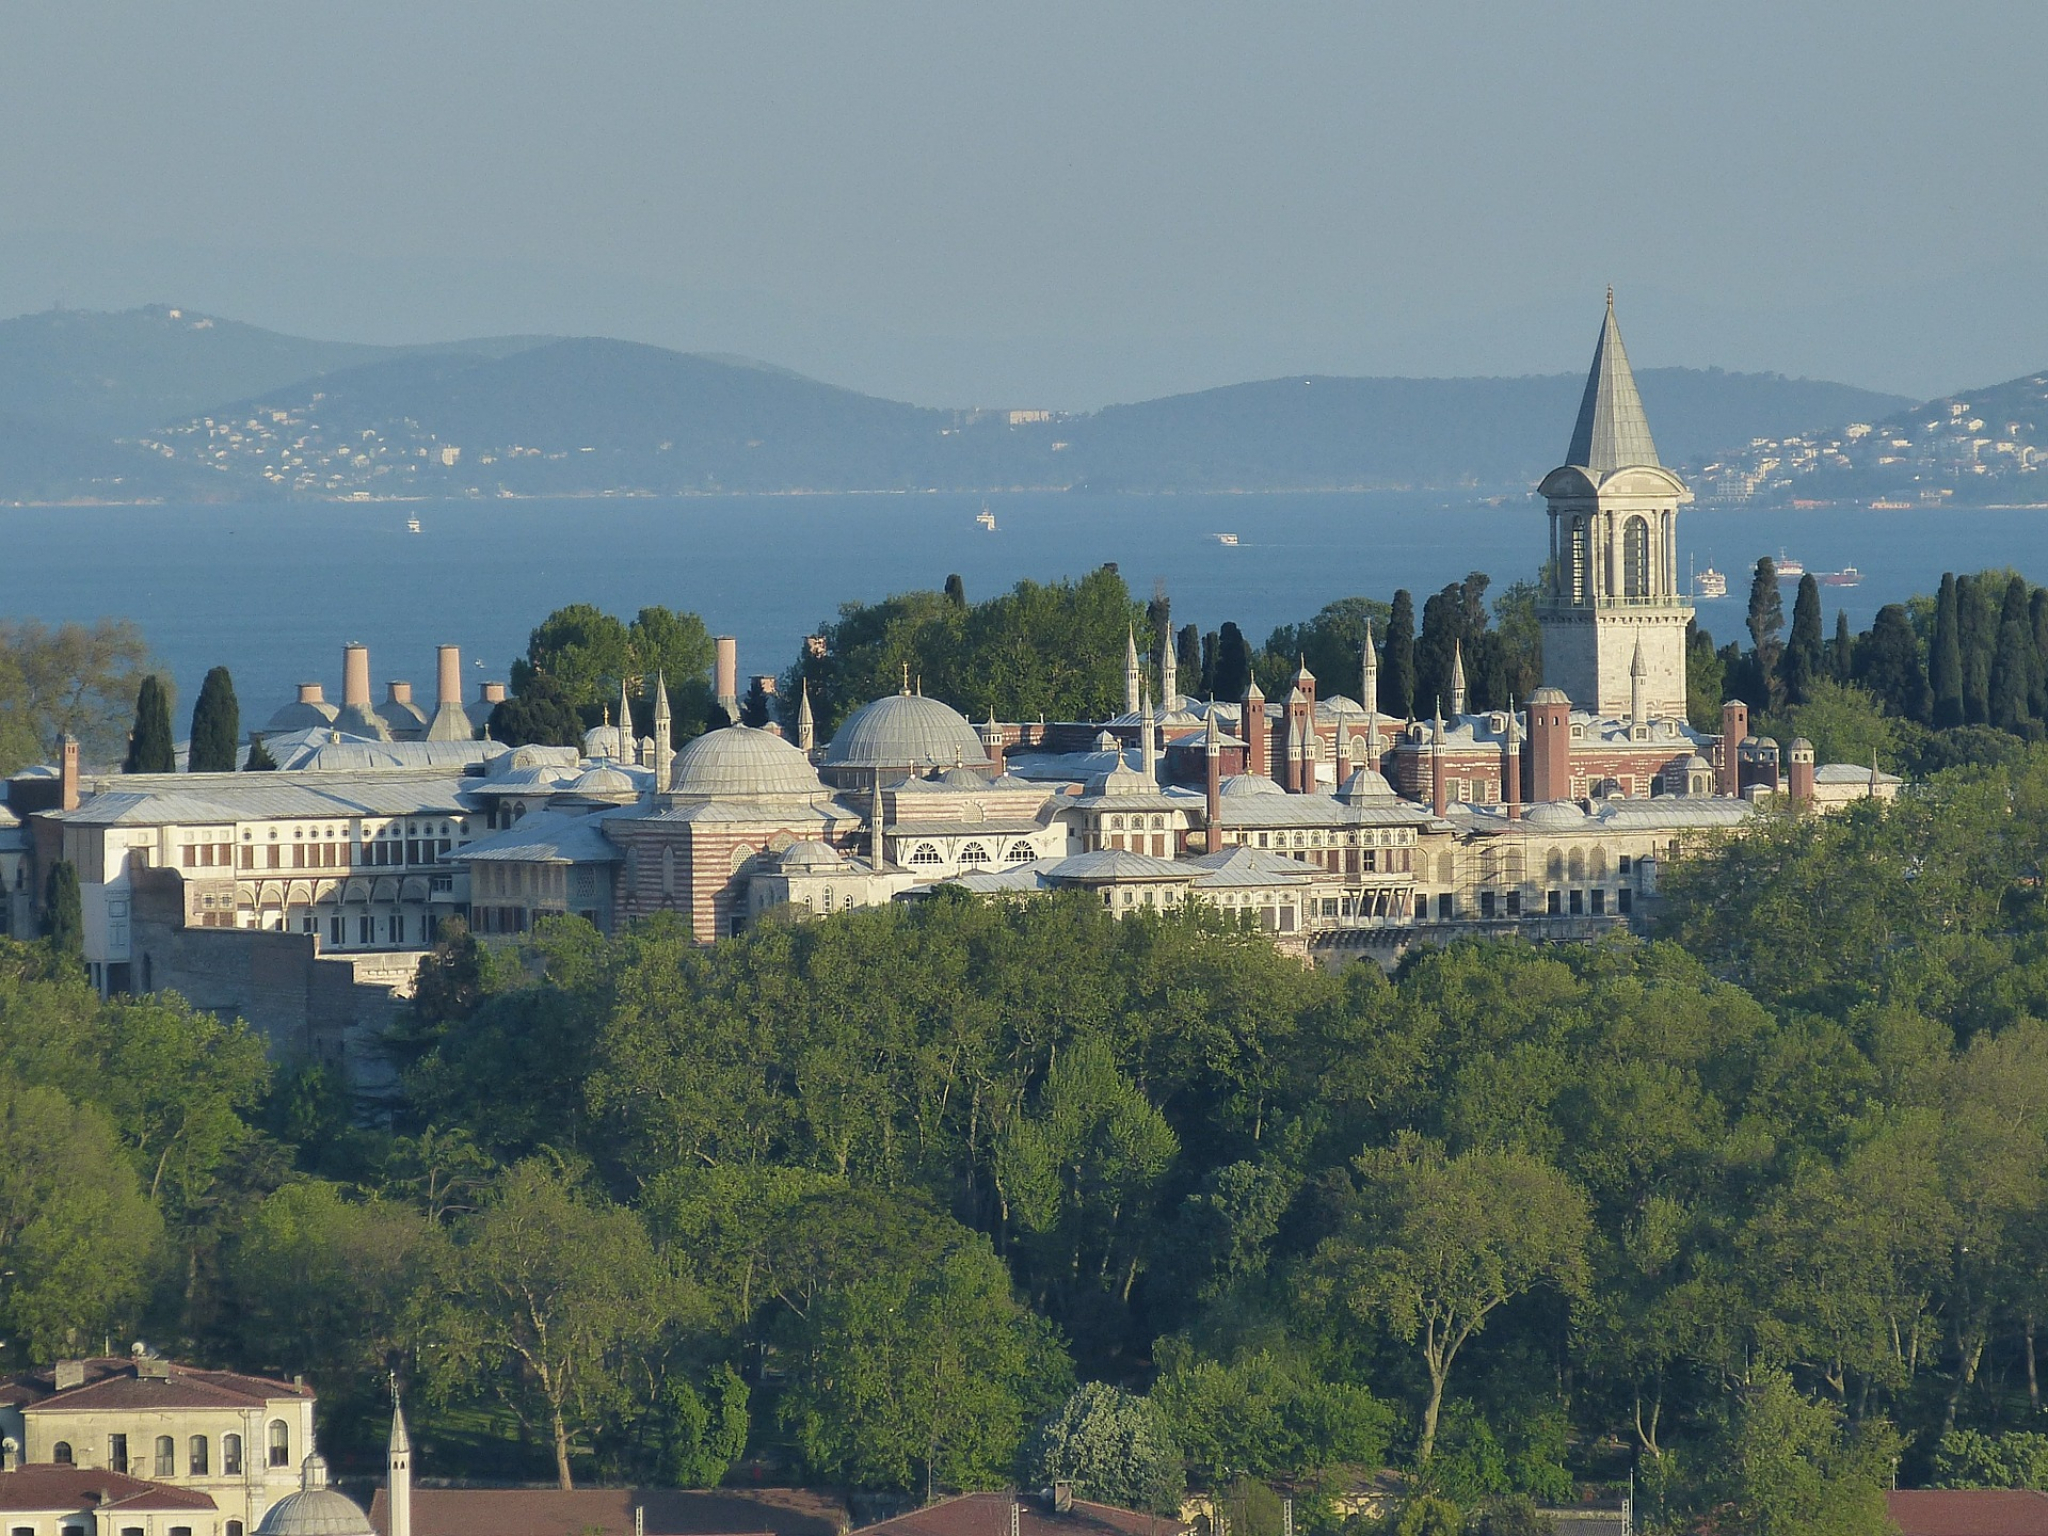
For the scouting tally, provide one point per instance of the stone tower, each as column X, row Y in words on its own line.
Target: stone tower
column 1614, row 585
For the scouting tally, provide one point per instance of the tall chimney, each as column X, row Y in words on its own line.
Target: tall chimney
column 1212, row 804
column 1550, row 745
column 1799, row 760
column 448, row 674
column 726, row 674
column 1439, row 791
column 355, row 676
column 1511, row 771
column 1252, row 726
column 1728, row 756
column 67, row 773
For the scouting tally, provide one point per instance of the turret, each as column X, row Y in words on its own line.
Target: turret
column 806, row 725
column 992, row 742
column 1439, row 791
column 1550, row 745
column 1511, row 767
column 1212, row 755
column 399, row 1472
column 1728, row 755
column 1457, row 679
column 664, row 732
column 1369, row 696
column 1799, row 772
column 1638, row 697
column 1169, row 673
column 1132, row 677
column 1148, row 742
column 1253, row 728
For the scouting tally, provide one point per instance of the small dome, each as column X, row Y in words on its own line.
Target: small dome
column 1801, row 744
column 1698, row 764
column 904, row 730
column 962, row 777
column 740, row 760
column 315, row 1510
column 1239, row 784
column 606, row 741
column 1365, row 784
column 811, row 854
column 1560, row 814
column 603, row 781
column 1549, row 696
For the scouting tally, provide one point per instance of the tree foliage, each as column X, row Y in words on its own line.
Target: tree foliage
column 75, row 679
column 216, row 725
column 1113, row 1446
column 150, row 749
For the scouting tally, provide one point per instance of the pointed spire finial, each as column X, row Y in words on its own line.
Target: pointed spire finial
column 1612, row 431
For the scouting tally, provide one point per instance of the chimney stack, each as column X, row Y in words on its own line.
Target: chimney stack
column 355, row 676
column 401, row 693
column 1550, row 745
column 1511, row 772
column 448, row 674
column 67, row 773
column 1799, row 758
column 1252, row 726
column 1212, row 804
column 726, row 674
column 493, row 693
column 312, row 693
column 1728, row 756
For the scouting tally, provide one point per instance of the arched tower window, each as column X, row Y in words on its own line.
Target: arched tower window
column 1578, row 564
column 1635, row 557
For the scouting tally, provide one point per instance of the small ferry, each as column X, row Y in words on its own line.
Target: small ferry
column 986, row 518
column 1710, row 584
column 1228, row 540
column 1788, row 568
column 412, row 525
column 1847, row 576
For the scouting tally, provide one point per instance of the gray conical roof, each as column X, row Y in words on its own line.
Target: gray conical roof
column 1612, row 430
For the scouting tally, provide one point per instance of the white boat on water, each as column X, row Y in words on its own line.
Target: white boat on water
column 1227, row 539
column 412, row 525
column 1788, row 568
column 987, row 519
column 1710, row 584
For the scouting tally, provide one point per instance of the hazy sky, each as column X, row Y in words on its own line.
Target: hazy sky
column 1057, row 204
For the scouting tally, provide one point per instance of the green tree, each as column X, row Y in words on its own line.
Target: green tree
column 1845, row 724
column 2014, row 663
column 1888, row 665
column 1188, row 659
column 1782, row 1465
column 1977, row 639
column 1521, row 640
column 1397, row 658
column 63, row 914
column 956, row 590
column 542, row 712
column 1706, row 680
column 1267, row 1412
column 1233, row 663
column 549, row 1300
column 1332, row 644
column 216, row 725
column 259, row 759
column 1113, row 1446
column 78, row 680
column 583, row 650
column 1766, row 623
column 1434, row 1246
column 1805, row 662
column 78, row 1240
column 1969, row 1458
column 756, row 709
column 1842, row 650
column 150, row 749
column 921, row 1376
column 1945, row 657
column 700, row 1434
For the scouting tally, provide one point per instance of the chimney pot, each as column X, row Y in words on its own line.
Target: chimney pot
column 355, row 676
column 401, row 693
column 312, row 693
column 726, row 670
column 448, row 674
column 494, row 693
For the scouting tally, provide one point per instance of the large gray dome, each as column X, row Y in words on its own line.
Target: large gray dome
column 905, row 730
column 739, row 760
column 315, row 1510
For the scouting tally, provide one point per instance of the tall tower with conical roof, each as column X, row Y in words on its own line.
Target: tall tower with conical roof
column 1614, row 590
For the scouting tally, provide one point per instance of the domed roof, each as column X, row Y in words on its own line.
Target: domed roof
column 1697, row 764
column 904, row 730
column 1250, row 784
column 603, row 781
column 1549, row 696
column 315, row 1510
column 740, row 760
column 962, row 777
column 810, row 853
column 1365, row 784
column 1555, row 813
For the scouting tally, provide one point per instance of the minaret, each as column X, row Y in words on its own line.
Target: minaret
column 1132, row 680
column 1638, row 687
column 664, row 733
column 1369, row 696
column 1169, row 675
column 876, row 852
column 1252, row 726
column 1511, row 770
column 1457, row 679
column 1148, row 742
column 806, row 726
column 399, row 1469
column 1212, row 753
column 992, row 741
column 625, row 723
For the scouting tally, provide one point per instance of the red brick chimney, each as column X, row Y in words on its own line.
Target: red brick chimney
column 1550, row 745
column 1257, row 739
column 67, row 774
column 1800, row 773
column 1728, row 755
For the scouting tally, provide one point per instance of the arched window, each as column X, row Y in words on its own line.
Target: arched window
column 1158, row 823
column 60, row 1453
column 280, row 1443
column 1444, row 870
column 1554, row 866
column 166, row 1456
column 196, row 1457
column 1577, row 565
column 231, row 1455
column 1116, row 823
column 1635, row 557
column 1599, row 864
column 234, row 1528
column 1020, row 853
column 924, row 853
column 973, row 853
column 1578, row 864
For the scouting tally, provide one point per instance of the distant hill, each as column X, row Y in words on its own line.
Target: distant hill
column 165, row 403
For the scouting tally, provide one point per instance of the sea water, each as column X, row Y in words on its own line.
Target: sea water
column 273, row 592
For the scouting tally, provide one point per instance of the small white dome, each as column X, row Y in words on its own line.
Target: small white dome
column 810, row 853
column 603, row 781
column 904, row 730
column 315, row 1510
column 1250, row 784
column 1554, row 813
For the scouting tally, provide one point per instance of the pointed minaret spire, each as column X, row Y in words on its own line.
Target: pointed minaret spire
column 1612, row 431
column 625, row 723
column 399, row 1471
column 1148, row 735
column 1638, row 689
column 664, row 733
column 806, row 725
column 1132, row 683
column 1369, row 696
column 1457, row 678
column 1169, row 674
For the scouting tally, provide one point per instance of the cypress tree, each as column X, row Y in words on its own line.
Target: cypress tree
column 1397, row 658
column 1945, row 658
column 259, row 759
column 755, row 710
column 1208, row 673
column 216, row 725
column 956, row 590
column 2011, row 681
column 1977, row 638
column 149, row 747
column 1766, row 623
column 1233, row 663
column 1888, row 664
column 1805, row 658
column 1843, row 656
column 1187, row 656
column 63, row 914
column 2037, row 617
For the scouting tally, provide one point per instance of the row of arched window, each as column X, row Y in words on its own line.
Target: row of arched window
column 927, row 854
column 198, row 1454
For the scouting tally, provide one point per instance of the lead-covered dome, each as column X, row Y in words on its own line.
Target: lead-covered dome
column 905, row 730
column 739, row 760
column 315, row 1510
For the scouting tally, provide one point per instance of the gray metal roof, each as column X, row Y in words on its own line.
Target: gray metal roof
column 1236, row 868
column 544, row 837
column 1612, row 431
column 905, row 730
column 212, row 799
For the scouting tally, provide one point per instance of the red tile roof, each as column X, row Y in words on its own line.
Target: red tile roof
column 988, row 1514
column 38, row 1486
column 1969, row 1511
column 668, row 1512
column 113, row 1384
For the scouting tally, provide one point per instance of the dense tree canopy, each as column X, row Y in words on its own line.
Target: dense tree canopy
column 75, row 679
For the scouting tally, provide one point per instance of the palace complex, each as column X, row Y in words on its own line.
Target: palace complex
column 302, row 899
